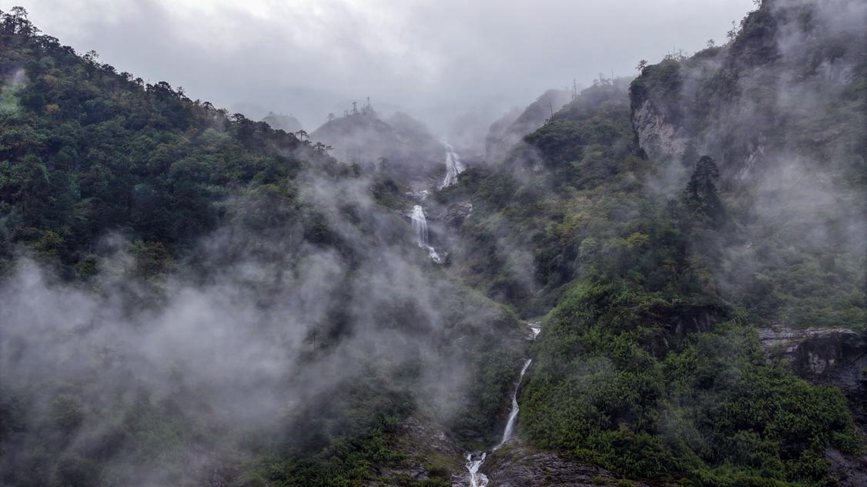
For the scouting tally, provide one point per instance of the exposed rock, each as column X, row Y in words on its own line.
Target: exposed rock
column 835, row 356
column 724, row 102
column 780, row 339
column 851, row 473
column 519, row 466
column 659, row 138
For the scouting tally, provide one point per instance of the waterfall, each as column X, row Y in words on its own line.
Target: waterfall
column 475, row 461
column 535, row 329
column 454, row 166
column 513, row 414
column 419, row 225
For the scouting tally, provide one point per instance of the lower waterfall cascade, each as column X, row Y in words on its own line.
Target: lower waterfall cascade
column 475, row 460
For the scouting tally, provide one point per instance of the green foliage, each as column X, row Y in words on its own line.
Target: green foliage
column 86, row 151
column 603, row 391
column 641, row 367
column 701, row 198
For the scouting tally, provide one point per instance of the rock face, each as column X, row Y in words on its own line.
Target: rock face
column 834, row 356
column 659, row 138
column 518, row 466
column 837, row 356
column 792, row 69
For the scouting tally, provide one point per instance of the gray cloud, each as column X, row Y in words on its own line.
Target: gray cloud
column 435, row 59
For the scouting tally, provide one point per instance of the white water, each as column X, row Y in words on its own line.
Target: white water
column 535, row 329
column 454, row 167
column 475, row 461
column 419, row 224
column 513, row 414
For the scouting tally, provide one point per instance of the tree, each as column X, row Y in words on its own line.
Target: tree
column 701, row 197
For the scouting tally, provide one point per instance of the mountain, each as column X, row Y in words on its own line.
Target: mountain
column 401, row 147
column 194, row 298
column 514, row 125
column 287, row 123
column 699, row 233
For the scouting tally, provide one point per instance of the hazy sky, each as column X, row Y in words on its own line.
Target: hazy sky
column 436, row 59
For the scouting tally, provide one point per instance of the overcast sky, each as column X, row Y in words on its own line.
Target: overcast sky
column 436, row 59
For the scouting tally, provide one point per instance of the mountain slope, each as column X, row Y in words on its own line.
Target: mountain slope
column 400, row 148
column 512, row 127
column 670, row 233
column 192, row 298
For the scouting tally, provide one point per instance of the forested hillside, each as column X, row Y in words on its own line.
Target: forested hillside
column 193, row 298
column 719, row 200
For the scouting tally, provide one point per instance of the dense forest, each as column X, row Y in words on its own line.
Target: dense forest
column 132, row 209
column 194, row 298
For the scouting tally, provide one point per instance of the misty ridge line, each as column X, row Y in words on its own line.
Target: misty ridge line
column 307, row 321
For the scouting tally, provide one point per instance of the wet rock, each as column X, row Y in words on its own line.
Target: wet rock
column 519, row 466
column 833, row 356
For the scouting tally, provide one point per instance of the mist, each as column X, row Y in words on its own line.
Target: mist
column 438, row 61
column 466, row 243
column 255, row 343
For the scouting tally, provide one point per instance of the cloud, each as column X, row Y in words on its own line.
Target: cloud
column 435, row 59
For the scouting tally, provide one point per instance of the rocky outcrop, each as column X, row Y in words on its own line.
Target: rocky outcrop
column 833, row 356
column 519, row 466
column 659, row 138
column 792, row 68
column 850, row 472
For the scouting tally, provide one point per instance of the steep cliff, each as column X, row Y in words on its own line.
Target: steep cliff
column 781, row 109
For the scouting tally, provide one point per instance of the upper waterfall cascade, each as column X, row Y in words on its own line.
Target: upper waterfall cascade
column 454, row 166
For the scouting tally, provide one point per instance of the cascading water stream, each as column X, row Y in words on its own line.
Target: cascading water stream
column 454, row 167
column 513, row 414
column 475, row 461
column 419, row 225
